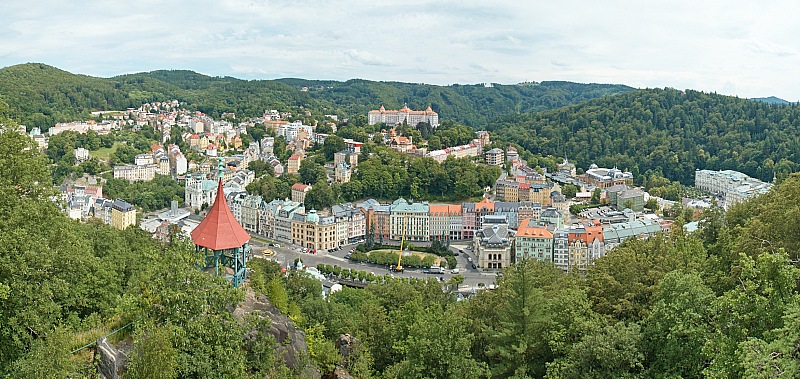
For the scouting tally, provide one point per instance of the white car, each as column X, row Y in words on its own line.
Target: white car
column 454, row 271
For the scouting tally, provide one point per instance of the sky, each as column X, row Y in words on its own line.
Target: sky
column 743, row 48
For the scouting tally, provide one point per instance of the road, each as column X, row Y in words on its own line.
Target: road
column 285, row 255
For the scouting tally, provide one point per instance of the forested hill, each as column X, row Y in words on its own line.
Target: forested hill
column 41, row 95
column 473, row 105
column 666, row 129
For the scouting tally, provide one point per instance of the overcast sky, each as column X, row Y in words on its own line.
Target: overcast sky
column 748, row 49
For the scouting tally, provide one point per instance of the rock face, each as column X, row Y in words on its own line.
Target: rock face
column 291, row 341
column 112, row 362
column 346, row 345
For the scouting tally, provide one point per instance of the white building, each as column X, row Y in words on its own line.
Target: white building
column 134, row 172
column 405, row 114
column 81, row 155
column 733, row 186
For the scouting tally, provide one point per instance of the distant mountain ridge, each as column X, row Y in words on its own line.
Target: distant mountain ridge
column 41, row 95
column 771, row 100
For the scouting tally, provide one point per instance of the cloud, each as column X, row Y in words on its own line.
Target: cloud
column 366, row 58
column 769, row 48
column 713, row 46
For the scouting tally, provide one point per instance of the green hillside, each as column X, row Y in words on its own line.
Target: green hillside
column 40, row 95
column 665, row 130
column 473, row 105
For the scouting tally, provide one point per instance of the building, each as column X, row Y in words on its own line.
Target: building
column 81, row 155
column 293, row 166
column 278, row 219
column 123, row 214
column 445, row 221
column 567, row 168
column 403, row 115
column 508, row 190
column 349, row 157
column 483, row 208
column 553, row 217
column 494, row 157
column 537, row 193
column 493, row 245
column 529, row 209
column 250, row 210
column 199, row 192
column 615, row 234
column 469, row 223
column 354, row 221
column 299, row 192
column 512, row 154
column 401, row 144
column 576, row 247
column 314, row 232
column 733, row 186
column 409, row 220
column 632, row 198
column 295, row 131
column 342, row 173
column 470, row 150
column 605, row 177
column 133, row 173
column 533, row 240
column 509, row 210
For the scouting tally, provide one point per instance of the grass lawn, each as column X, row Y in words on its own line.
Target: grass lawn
column 439, row 260
column 106, row 151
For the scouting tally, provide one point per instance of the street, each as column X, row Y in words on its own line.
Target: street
column 285, row 255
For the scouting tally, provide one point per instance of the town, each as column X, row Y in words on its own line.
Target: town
column 524, row 214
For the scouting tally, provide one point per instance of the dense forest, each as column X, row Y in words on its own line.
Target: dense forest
column 40, row 95
column 666, row 130
column 473, row 105
column 721, row 303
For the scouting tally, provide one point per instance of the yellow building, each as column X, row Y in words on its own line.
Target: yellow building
column 122, row 214
column 312, row 232
column 293, row 166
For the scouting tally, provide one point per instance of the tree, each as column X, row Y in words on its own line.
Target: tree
column 320, row 196
column 312, row 172
column 595, row 199
column 610, row 351
column 333, row 144
column 569, row 190
column 153, row 355
column 678, row 326
column 651, row 204
column 427, row 356
column 260, row 168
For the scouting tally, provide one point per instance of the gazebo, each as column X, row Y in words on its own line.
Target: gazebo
column 222, row 242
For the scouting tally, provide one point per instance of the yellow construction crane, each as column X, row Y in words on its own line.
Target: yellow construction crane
column 399, row 268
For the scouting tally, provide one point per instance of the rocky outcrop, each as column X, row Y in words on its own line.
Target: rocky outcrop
column 112, row 363
column 291, row 341
column 340, row 373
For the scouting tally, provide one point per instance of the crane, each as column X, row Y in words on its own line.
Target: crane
column 400, row 268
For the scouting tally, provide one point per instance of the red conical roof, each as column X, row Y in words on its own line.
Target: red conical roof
column 219, row 230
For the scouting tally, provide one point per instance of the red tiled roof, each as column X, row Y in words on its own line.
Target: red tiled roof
column 532, row 231
column 219, row 230
column 299, row 187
